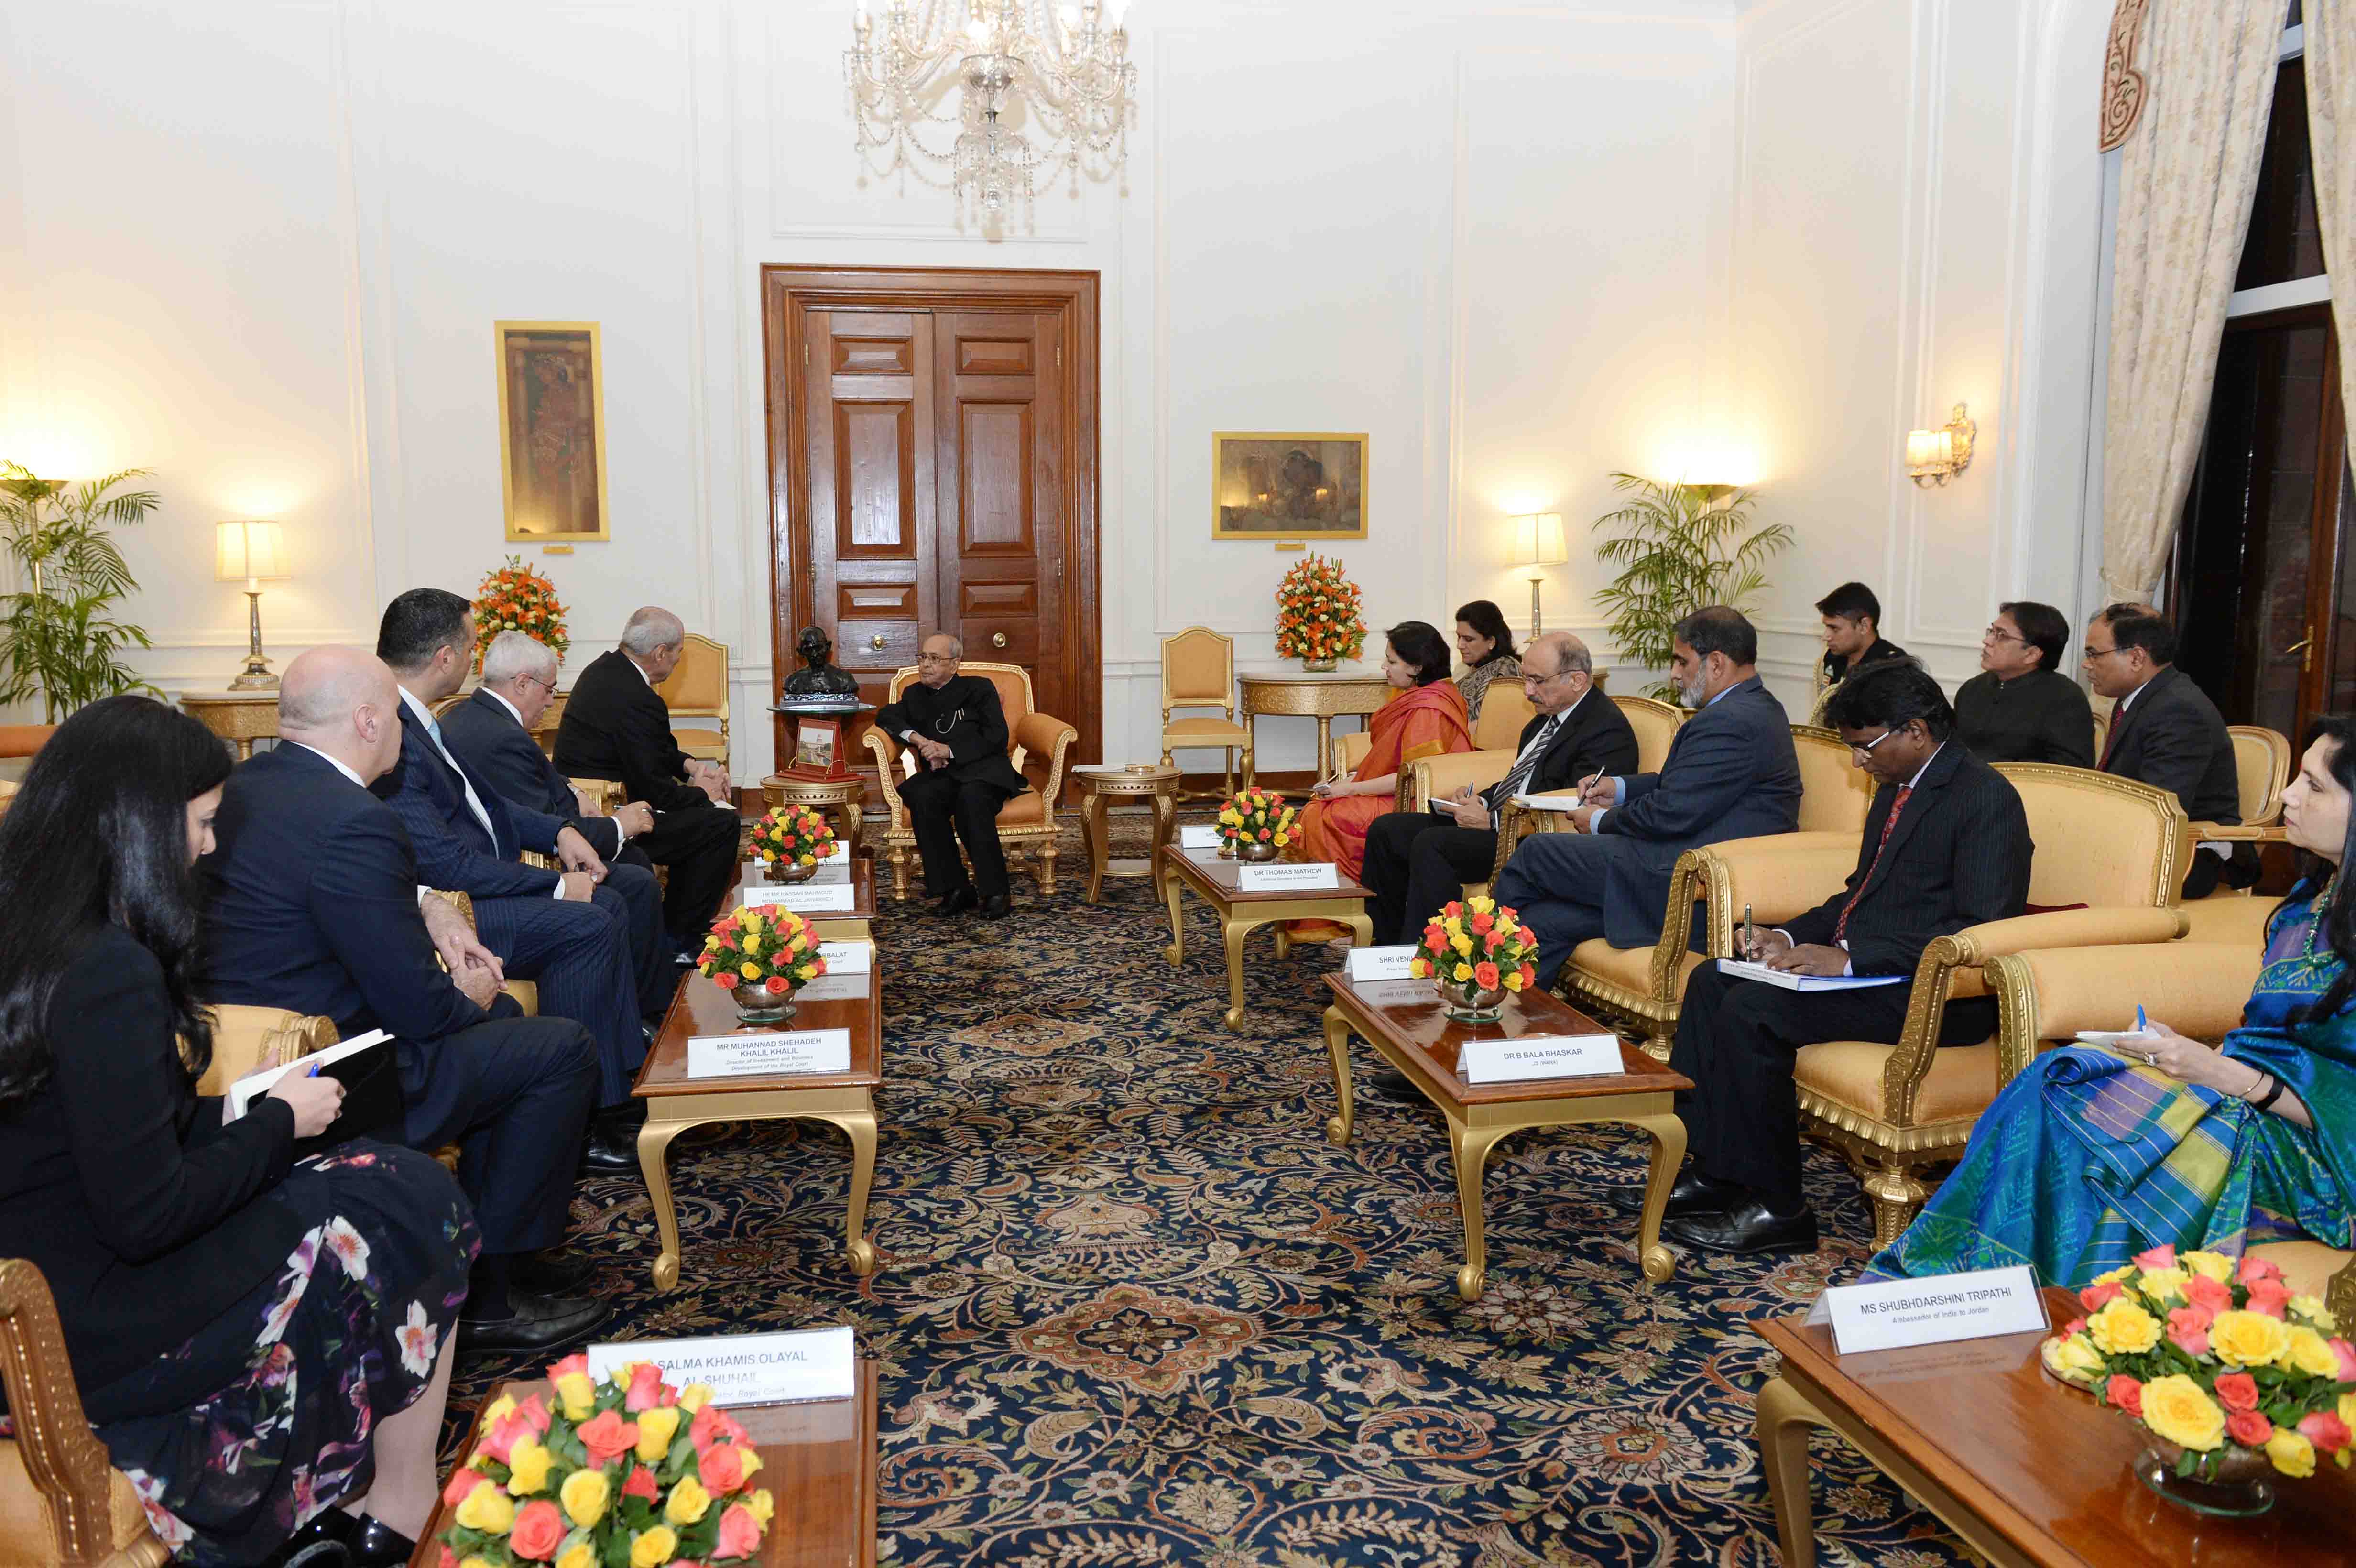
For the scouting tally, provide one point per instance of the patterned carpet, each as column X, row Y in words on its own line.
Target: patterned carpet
column 1134, row 1309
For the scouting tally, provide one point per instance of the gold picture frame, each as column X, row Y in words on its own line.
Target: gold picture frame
column 552, row 377
column 1289, row 485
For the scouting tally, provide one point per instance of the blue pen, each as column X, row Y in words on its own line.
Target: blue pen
column 2143, row 1025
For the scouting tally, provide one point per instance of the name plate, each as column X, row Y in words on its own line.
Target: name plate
column 1365, row 964
column 747, row 1369
column 833, row 987
column 1896, row 1313
column 802, row 898
column 790, row 1051
column 1198, row 836
column 846, row 958
column 1271, row 878
column 1538, row 1056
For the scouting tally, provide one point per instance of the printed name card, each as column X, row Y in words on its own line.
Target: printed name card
column 1271, row 878
column 833, row 987
column 1899, row 1313
column 1538, row 1056
column 846, row 958
column 788, row 1053
column 1198, row 836
column 747, row 1369
column 802, row 898
column 1368, row 963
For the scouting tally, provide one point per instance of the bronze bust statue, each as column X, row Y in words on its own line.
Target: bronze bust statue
column 818, row 677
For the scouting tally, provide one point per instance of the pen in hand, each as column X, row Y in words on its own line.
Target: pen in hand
column 1750, row 935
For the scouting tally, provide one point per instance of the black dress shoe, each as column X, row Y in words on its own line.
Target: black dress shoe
column 1698, row 1194
column 1390, row 1084
column 319, row 1543
column 375, row 1544
column 1750, row 1227
column 549, row 1274
column 610, row 1150
column 996, row 907
column 957, row 900
column 628, row 1116
column 535, row 1325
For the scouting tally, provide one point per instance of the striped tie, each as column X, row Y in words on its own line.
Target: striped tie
column 1511, row 785
column 1840, row 927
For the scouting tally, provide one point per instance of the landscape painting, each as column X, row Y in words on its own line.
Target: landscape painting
column 1288, row 486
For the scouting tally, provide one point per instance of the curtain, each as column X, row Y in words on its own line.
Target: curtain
column 2332, row 130
column 2186, row 180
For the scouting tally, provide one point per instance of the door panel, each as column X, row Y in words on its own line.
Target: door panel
column 995, row 501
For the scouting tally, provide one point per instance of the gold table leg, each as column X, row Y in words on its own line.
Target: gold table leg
column 1324, row 746
column 1337, row 1046
column 1093, row 831
column 857, row 1122
column 1471, row 1145
column 859, row 1127
column 1176, row 951
column 1668, row 1135
column 1165, row 819
column 654, row 1146
column 1236, row 930
column 1783, row 1418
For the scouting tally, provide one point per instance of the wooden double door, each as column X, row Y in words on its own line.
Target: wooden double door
column 933, row 458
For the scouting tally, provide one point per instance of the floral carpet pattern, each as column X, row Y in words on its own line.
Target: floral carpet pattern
column 1134, row 1309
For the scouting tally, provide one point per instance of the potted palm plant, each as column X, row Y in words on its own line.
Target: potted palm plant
column 57, row 633
column 1679, row 546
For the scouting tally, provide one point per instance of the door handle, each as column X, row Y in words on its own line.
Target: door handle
column 876, row 643
column 2298, row 647
column 997, row 639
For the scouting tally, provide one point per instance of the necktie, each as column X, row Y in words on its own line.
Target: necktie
column 474, row 801
column 2118, row 723
column 1840, row 927
column 1524, row 765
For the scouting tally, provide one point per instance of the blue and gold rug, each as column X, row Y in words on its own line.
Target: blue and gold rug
column 1135, row 1309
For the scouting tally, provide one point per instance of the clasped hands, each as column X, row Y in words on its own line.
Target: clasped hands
column 583, row 867
column 475, row 970
column 936, row 753
column 1776, row 951
column 710, row 777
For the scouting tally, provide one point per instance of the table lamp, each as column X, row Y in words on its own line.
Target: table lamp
column 255, row 552
column 1537, row 544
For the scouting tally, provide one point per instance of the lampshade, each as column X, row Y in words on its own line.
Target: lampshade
column 1929, row 449
column 246, row 551
column 1538, row 540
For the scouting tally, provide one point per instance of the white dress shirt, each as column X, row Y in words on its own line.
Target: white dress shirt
column 474, row 801
column 621, row 834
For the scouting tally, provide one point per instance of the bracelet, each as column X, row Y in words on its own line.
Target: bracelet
column 2273, row 1093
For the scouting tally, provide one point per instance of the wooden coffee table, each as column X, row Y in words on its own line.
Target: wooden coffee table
column 818, row 1464
column 2025, row 1469
column 1213, row 880
column 832, row 926
column 1402, row 1020
column 676, row 1102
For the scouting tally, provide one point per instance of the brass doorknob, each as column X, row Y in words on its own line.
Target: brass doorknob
column 997, row 639
column 876, row 641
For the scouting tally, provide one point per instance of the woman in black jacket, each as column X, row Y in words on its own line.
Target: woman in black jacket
column 258, row 1337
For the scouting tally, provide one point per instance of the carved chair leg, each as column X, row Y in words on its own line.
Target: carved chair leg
column 1047, row 868
column 900, row 872
column 1897, row 1198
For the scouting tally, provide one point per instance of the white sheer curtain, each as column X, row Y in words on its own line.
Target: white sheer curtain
column 2332, row 128
column 2189, row 171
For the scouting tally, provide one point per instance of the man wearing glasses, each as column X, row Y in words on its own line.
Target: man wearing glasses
column 2020, row 708
column 955, row 727
column 492, row 734
column 2165, row 732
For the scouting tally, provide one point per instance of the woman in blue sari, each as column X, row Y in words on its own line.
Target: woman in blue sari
column 2094, row 1153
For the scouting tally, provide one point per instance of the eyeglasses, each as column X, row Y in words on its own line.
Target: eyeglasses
column 2105, row 653
column 1998, row 634
column 937, row 659
column 1866, row 750
column 1532, row 677
column 548, row 686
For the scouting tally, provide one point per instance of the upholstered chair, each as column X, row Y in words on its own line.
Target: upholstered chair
column 2044, row 997
column 1198, row 670
column 1504, row 711
column 697, row 688
column 1026, row 823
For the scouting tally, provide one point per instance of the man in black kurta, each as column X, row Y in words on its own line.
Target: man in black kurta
column 956, row 728
column 2020, row 708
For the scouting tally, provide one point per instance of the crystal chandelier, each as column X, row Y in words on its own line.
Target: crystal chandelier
column 1059, row 72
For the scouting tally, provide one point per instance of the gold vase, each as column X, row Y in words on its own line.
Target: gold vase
column 2233, row 1483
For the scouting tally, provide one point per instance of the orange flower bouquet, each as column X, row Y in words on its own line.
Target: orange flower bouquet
column 515, row 598
column 1318, row 619
column 1478, row 952
column 790, row 840
column 629, row 1471
column 1256, row 824
column 761, row 957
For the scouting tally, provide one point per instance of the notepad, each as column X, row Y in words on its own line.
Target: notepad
column 1566, row 800
column 254, row 1085
column 1792, row 982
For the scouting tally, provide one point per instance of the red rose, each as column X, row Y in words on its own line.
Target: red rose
column 2268, row 1298
column 2249, row 1428
column 2237, row 1391
column 608, row 1438
column 1482, row 922
column 1485, row 974
column 1529, row 974
column 2212, row 1293
column 713, row 1425
column 774, row 984
column 645, row 1388
column 2094, row 1298
column 2125, row 1393
column 462, row 1484
column 721, row 1469
column 2255, row 1269
column 740, row 1534
column 725, row 979
column 539, row 1528
column 2326, row 1431
column 449, row 1558
column 641, row 1484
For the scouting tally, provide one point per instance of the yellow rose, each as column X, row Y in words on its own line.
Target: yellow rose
column 2108, row 1275
column 752, row 944
column 653, row 1548
column 1282, row 839
column 2308, row 1353
column 488, row 1510
column 498, row 1410
column 750, row 971
column 2216, row 1266
column 2074, row 1358
column 694, row 1397
column 1462, row 944
column 1461, row 972
column 688, row 1500
column 584, row 1495
column 580, row 1554
column 2292, row 1454
column 1513, row 979
column 2177, row 1409
column 2248, row 1338
column 712, row 944
column 475, row 1562
column 806, row 860
column 2161, row 1286
column 2311, row 1308
column 2348, row 1412
column 528, row 1466
column 760, row 1503
column 1480, row 905
column 657, row 1427
column 2123, row 1328
column 1417, row 967
column 578, row 1393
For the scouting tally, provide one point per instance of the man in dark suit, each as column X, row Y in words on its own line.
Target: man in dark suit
column 1418, row 860
column 2165, row 732
column 314, row 903
column 956, row 728
column 595, row 952
column 1731, row 773
column 616, row 726
column 1946, row 847
column 491, row 735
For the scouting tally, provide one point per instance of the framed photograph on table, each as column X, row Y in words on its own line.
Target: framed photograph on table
column 551, row 430
column 1279, row 485
column 816, row 744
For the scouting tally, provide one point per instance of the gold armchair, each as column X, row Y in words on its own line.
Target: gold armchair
column 1026, row 823
column 2044, row 997
column 1655, row 724
column 1198, row 670
column 697, row 687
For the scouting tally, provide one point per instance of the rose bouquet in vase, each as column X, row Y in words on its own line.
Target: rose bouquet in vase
column 1256, row 824
column 2234, row 1378
column 1478, row 952
column 628, row 1471
column 761, row 957
column 790, row 840
column 515, row 598
column 1318, row 620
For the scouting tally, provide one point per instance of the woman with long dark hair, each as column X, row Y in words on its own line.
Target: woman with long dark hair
column 258, row 1337
column 1424, row 717
column 2096, row 1153
column 1486, row 643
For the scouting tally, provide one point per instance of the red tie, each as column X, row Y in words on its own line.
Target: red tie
column 2111, row 743
column 1841, row 926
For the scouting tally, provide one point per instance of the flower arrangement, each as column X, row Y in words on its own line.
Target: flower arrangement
column 792, row 836
column 629, row 1471
column 761, row 957
column 2216, row 1357
column 515, row 598
column 1256, row 824
column 1476, row 952
column 1317, row 614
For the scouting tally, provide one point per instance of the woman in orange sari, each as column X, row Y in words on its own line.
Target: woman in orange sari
column 1425, row 719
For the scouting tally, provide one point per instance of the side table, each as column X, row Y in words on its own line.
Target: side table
column 1321, row 696
column 844, row 797
column 1100, row 787
column 241, row 718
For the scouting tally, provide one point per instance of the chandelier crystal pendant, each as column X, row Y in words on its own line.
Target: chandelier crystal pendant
column 1019, row 70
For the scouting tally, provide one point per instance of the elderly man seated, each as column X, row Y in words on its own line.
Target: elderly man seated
column 616, row 726
column 956, row 728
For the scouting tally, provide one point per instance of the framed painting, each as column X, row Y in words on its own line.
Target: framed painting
column 1288, row 485
column 551, row 430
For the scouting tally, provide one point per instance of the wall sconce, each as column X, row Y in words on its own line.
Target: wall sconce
column 252, row 552
column 1538, row 543
column 1934, row 456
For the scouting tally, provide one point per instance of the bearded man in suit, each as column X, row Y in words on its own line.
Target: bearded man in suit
column 956, row 728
